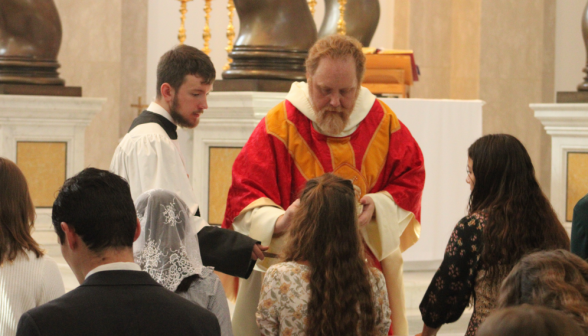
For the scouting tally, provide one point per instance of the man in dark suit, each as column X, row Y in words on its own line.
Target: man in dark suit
column 96, row 222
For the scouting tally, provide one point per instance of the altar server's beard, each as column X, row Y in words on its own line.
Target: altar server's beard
column 333, row 120
column 179, row 119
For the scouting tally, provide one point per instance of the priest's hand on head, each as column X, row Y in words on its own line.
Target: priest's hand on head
column 368, row 211
column 257, row 252
column 284, row 221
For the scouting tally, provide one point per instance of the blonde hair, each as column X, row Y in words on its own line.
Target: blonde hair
column 336, row 47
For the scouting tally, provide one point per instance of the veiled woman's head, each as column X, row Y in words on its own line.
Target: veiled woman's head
column 167, row 247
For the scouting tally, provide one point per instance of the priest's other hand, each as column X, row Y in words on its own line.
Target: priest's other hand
column 258, row 252
column 368, row 211
column 284, row 221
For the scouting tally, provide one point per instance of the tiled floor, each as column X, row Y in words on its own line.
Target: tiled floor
column 415, row 284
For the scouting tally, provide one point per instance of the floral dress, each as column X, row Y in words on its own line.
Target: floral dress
column 285, row 292
column 459, row 278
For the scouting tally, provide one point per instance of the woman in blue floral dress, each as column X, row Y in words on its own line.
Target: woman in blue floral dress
column 508, row 217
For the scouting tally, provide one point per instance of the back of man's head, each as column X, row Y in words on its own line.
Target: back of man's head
column 98, row 206
column 181, row 61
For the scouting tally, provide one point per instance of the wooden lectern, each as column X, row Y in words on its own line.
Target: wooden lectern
column 389, row 72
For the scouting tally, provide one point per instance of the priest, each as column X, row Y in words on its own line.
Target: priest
column 149, row 157
column 331, row 124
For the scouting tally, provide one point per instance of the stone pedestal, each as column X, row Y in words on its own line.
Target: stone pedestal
column 568, row 126
column 45, row 137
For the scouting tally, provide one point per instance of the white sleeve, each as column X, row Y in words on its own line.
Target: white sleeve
column 382, row 234
column 52, row 283
column 152, row 161
column 258, row 223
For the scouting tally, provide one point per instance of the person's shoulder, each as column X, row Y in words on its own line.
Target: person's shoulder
column 582, row 204
column 476, row 217
column 148, row 131
column 286, row 266
column 375, row 274
column 144, row 135
column 207, row 281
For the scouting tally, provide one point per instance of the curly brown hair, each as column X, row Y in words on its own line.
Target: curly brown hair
column 17, row 214
column 324, row 233
column 554, row 279
column 520, row 217
column 528, row 320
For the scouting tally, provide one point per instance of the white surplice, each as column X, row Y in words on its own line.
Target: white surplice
column 149, row 159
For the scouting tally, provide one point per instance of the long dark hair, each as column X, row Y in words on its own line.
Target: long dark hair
column 17, row 214
column 520, row 217
column 324, row 233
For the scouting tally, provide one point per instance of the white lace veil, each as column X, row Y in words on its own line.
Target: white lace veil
column 167, row 248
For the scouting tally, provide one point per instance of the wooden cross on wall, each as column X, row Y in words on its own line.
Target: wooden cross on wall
column 140, row 107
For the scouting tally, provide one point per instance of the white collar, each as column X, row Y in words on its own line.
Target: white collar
column 116, row 266
column 300, row 98
column 156, row 108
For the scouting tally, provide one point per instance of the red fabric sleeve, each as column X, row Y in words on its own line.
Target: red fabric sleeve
column 404, row 174
column 260, row 170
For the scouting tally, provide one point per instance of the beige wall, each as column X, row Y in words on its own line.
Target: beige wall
column 500, row 51
column 101, row 52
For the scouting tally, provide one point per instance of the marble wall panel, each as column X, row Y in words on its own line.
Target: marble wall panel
column 104, row 51
column 44, row 165
column 549, row 50
column 90, row 57
column 577, row 184
column 433, row 83
column 513, row 66
column 430, row 31
column 133, row 61
column 465, row 49
column 402, row 20
column 221, row 161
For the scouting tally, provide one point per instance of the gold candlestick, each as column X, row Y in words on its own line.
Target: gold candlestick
column 341, row 29
column 311, row 5
column 182, row 31
column 206, row 32
column 230, row 34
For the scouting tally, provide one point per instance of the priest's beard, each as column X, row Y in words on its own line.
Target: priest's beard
column 333, row 120
column 179, row 118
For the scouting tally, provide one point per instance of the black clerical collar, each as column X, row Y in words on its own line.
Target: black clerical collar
column 150, row 117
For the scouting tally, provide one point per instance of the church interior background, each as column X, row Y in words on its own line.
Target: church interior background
column 503, row 54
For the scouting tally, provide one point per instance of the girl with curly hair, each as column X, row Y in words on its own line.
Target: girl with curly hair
column 508, row 218
column 554, row 279
column 527, row 320
column 324, row 286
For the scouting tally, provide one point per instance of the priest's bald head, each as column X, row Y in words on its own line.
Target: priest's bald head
column 334, row 71
column 184, row 77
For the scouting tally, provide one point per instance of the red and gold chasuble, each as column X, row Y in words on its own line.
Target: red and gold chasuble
column 285, row 151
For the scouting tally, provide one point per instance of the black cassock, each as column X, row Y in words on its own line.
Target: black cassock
column 225, row 250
